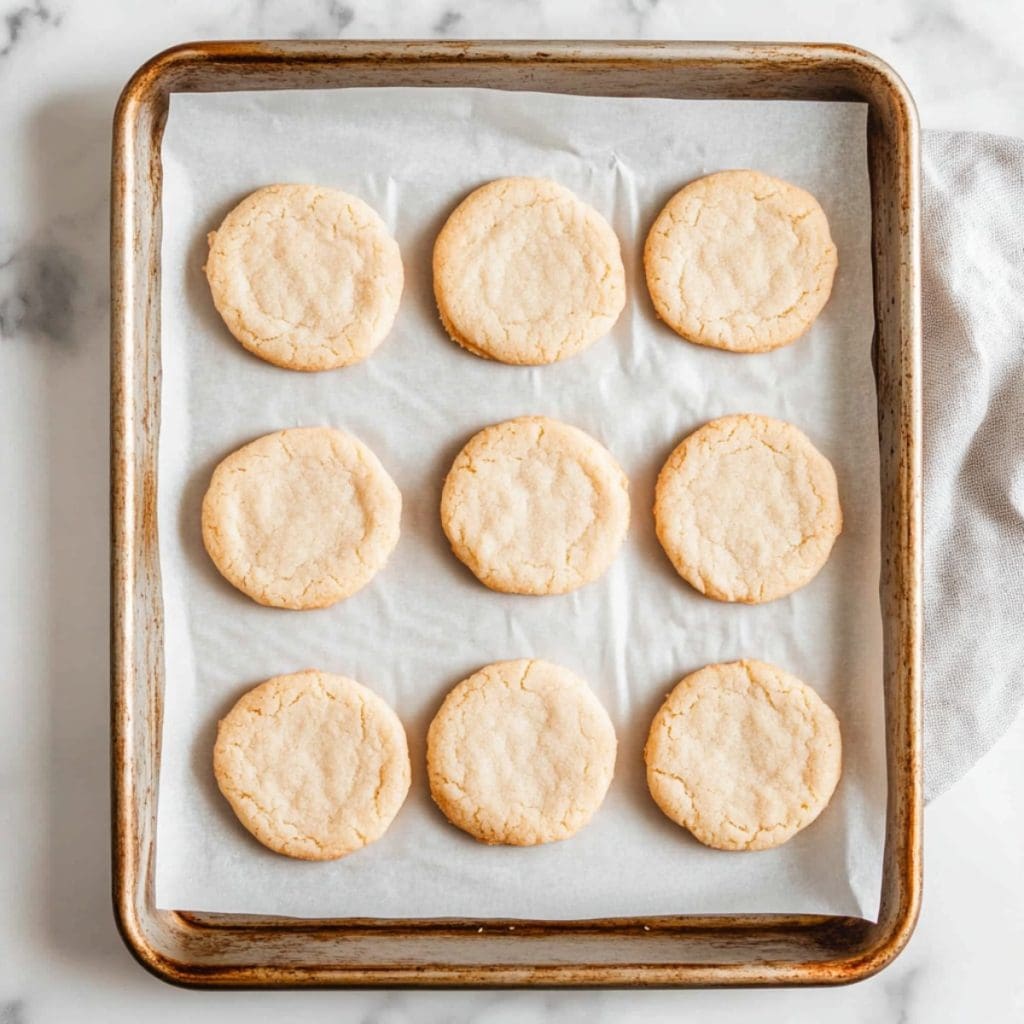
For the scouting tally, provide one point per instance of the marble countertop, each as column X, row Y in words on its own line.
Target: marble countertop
column 62, row 65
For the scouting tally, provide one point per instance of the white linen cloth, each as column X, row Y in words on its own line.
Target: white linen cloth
column 973, row 313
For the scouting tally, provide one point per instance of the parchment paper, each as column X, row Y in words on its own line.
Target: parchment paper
column 425, row 622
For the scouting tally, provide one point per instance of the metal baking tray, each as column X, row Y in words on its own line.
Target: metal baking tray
column 226, row 950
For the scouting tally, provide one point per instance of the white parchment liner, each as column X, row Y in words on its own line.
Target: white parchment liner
column 425, row 622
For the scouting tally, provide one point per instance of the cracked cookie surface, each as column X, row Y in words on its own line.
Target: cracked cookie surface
column 744, row 755
column 527, row 273
column 535, row 506
column 747, row 509
column 314, row 765
column 741, row 261
column 307, row 278
column 520, row 753
column 301, row 518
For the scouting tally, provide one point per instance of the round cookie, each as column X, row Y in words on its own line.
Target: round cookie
column 520, row 753
column 747, row 509
column 301, row 518
column 743, row 755
column 315, row 766
column 741, row 261
column 526, row 273
column 534, row 506
column 305, row 277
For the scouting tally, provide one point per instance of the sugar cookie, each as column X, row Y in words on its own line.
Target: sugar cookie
column 743, row 755
column 520, row 753
column 525, row 272
column 305, row 277
column 740, row 261
column 747, row 509
column 534, row 506
column 301, row 518
column 315, row 766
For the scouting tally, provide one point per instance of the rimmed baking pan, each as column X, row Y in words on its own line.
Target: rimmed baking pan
column 234, row 950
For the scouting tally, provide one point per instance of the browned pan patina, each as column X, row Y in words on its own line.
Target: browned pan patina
column 766, row 949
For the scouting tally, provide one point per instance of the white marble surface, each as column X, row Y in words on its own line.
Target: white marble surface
column 61, row 66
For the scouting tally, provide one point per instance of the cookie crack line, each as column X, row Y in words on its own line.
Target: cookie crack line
column 699, row 825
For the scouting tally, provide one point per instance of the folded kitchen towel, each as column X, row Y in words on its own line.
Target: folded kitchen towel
column 973, row 313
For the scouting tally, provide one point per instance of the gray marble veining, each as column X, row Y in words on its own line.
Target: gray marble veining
column 18, row 22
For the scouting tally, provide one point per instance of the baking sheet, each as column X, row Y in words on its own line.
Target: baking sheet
column 425, row 623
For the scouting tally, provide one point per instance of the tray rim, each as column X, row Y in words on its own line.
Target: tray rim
column 862, row 948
